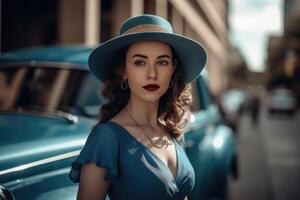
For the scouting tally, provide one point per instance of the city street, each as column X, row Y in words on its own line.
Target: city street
column 269, row 158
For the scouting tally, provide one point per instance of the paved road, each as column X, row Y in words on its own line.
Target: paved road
column 269, row 159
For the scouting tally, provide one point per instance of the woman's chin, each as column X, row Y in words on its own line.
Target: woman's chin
column 150, row 97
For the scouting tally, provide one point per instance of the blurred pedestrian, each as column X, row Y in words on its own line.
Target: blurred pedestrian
column 134, row 151
column 255, row 108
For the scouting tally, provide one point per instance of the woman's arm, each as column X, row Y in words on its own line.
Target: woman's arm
column 92, row 183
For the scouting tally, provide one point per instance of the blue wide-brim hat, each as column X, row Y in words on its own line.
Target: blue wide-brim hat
column 191, row 55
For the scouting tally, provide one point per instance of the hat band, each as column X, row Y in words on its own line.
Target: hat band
column 145, row 28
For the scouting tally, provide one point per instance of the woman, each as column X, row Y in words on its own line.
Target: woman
column 133, row 152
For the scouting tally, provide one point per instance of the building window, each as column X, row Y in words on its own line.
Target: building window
column 149, row 7
column 106, row 20
column 28, row 23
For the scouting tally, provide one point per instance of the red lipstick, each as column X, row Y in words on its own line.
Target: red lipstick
column 151, row 87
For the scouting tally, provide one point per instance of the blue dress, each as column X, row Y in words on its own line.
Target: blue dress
column 133, row 170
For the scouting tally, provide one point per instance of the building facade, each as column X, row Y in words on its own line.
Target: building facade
column 31, row 23
column 284, row 51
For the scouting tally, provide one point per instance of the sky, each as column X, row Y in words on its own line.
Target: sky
column 251, row 22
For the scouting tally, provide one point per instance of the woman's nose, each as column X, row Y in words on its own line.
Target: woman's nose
column 152, row 72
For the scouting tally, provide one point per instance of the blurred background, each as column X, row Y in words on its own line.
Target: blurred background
column 253, row 68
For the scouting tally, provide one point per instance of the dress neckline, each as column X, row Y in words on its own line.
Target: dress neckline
column 151, row 152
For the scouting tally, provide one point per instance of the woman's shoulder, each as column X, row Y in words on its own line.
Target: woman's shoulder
column 102, row 126
column 105, row 130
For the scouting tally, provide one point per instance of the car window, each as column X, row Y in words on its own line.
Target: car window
column 48, row 88
column 205, row 98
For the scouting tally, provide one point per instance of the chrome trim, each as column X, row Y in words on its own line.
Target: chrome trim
column 40, row 162
column 47, row 113
column 19, row 183
column 196, row 125
column 199, row 125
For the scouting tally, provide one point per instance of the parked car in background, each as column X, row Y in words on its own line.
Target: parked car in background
column 233, row 103
column 282, row 100
column 210, row 146
column 48, row 104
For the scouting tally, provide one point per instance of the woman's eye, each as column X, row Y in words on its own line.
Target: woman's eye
column 139, row 62
column 163, row 62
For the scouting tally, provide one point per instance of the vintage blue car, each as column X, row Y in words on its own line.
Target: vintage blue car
column 48, row 104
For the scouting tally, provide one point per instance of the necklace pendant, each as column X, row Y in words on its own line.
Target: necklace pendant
column 158, row 143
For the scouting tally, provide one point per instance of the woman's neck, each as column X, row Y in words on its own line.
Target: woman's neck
column 144, row 112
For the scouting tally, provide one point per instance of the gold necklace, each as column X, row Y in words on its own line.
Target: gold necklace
column 158, row 143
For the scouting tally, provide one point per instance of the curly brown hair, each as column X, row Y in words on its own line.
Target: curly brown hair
column 174, row 105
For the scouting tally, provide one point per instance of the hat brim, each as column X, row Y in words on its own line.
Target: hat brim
column 191, row 54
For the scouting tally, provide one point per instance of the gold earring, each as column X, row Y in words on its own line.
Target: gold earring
column 124, row 87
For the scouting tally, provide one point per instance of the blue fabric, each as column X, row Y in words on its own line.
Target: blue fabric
column 133, row 170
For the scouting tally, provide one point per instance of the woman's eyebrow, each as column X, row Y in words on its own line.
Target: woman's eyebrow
column 144, row 56
column 163, row 56
column 139, row 55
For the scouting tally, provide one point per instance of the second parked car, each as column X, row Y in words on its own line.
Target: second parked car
column 282, row 100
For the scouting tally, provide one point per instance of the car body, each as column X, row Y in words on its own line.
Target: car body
column 49, row 105
column 282, row 100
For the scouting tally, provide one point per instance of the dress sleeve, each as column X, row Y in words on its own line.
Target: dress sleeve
column 101, row 148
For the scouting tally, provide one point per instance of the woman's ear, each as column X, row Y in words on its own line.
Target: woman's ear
column 124, row 76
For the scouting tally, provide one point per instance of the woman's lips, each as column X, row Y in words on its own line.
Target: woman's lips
column 151, row 87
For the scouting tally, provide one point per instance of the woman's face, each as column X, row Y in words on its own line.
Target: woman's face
column 148, row 68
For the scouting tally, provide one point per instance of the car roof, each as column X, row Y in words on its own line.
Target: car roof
column 76, row 55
